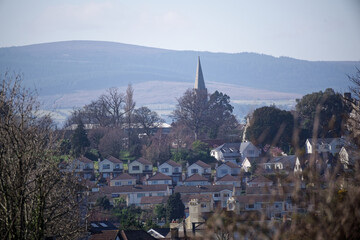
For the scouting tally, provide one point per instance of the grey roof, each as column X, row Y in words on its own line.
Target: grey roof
column 202, row 189
column 199, row 80
column 172, row 163
column 244, row 145
column 229, row 147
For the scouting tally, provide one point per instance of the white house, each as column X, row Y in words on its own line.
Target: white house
column 235, row 151
column 134, row 193
column 229, row 180
column 171, row 169
column 260, row 181
column 200, row 168
column 140, row 166
column 110, row 167
column 247, row 149
column 320, row 145
column 220, row 193
column 159, row 178
column 348, row 156
column 281, row 163
column 83, row 167
column 123, row 179
column 196, row 180
column 227, row 168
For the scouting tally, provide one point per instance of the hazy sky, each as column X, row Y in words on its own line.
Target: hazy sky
column 303, row 29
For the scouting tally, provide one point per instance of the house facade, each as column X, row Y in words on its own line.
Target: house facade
column 321, row 145
column 200, row 168
column 83, row 167
column 171, row 169
column 140, row 167
column 158, row 178
column 227, row 168
column 122, row 180
column 110, row 167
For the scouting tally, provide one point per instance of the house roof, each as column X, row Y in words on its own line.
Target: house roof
column 159, row 176
column 228, row 178
column 113, row 159
column 124, row 176
column 321, row 140
column 260, row 179
column 105, row 235
column 199, row 80
column 172, row 163
column 160, row 231
column 202, row 189
column 84, row 159
column 135, row 235
column 144, row 161
column 154, row 199
column 134, row 188
column 230, row 164
column 244, row 145
column 102, row 225
column 196, row 177
column 202, row 164
column 259, row 198
column 200, row 197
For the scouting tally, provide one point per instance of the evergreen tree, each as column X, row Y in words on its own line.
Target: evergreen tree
column 175, row 207
column 79, row 140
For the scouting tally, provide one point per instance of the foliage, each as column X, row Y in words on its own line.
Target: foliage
column 353, row 123
column 103, row 202
column 174, row 207
column 79, row 140
column 322, row 114
column 147, row 119
column 160, row 211
column 128, row 217
column 221, row 120
column 158, row 150
column 270, row 125
column 191, row 111
column 35, row 197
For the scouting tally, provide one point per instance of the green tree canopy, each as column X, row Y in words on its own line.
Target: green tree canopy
column 79, row 140
column 175, row 207
column 270, row 125
column 322, row 114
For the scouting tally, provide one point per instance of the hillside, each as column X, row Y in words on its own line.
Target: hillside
column 71, row 73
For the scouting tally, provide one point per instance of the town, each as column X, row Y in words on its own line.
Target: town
column 268, row 184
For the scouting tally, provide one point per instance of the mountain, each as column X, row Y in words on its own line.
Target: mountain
column 73, row 72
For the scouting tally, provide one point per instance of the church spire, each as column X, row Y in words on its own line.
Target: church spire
column 199, row 80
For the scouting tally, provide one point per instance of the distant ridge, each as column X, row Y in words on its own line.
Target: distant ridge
column 66, row 67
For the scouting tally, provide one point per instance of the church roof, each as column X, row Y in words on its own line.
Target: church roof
column 199, row 80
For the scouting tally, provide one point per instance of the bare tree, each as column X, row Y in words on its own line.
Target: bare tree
column 36, row 199
column 191, row 110
column 129, row 108
column 147, row 119
column 113, row 102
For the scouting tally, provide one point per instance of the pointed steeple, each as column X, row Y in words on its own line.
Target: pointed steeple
column 199, row 80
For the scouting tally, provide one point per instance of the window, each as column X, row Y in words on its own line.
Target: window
column 106, row 166
column 250, row 152
column 118, row 183
column 203, row 205
column 130, row 182
column 251, row 206
column 115, row 195
column 88, row 166
column 161, row 194
column 224, row 171
column 140, row 195
column 267, row 166
column 147, row 167
column 154, row 182
column 165, row 170
column 117, row 166
column 176, row 170
column 105, row 175
column 135, row 168
column 216, row 194
column 226, row 195
column 194, row 170
column 166, row 181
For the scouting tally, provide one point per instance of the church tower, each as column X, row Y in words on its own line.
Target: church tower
column 199, row 80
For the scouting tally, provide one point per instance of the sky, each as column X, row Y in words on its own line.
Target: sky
column 304, row 29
